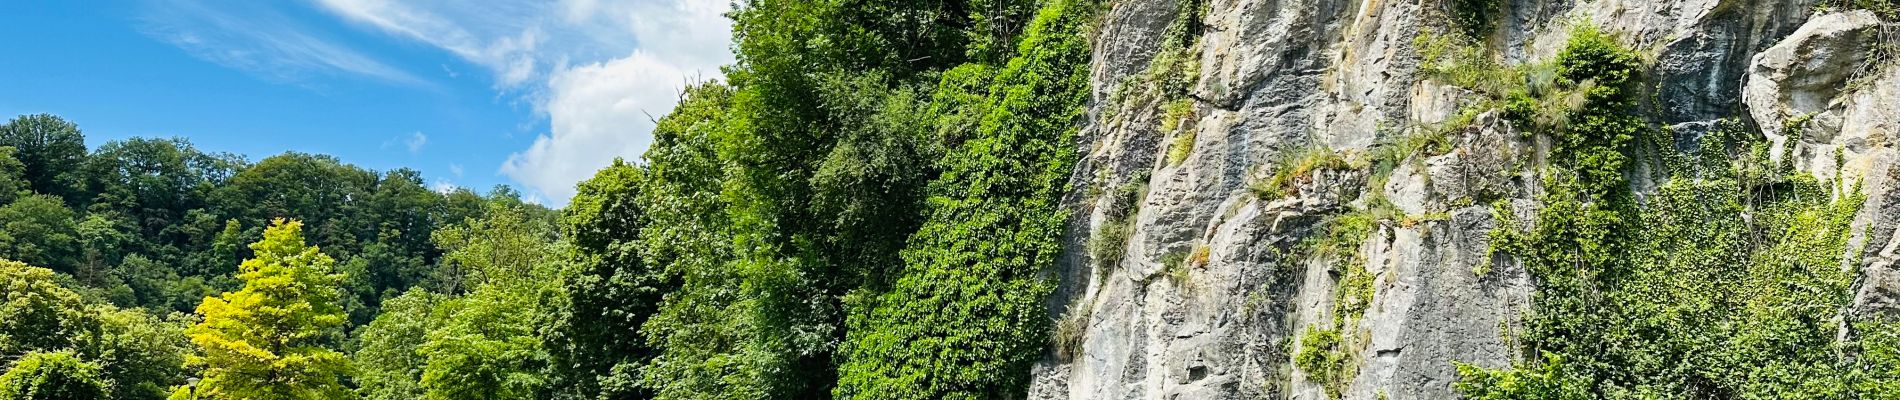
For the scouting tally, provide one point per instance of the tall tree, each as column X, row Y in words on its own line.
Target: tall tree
column 700, row 329
column 274, row 338
column 52, row 151
column 795, row 216
column 488, row 344
column 39, row 314
column 406, row 213
column 612, row 292
column 154, row 183
column 323, row 193
column 142, row 355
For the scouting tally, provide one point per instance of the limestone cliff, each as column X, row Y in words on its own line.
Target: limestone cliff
column 1183, row 281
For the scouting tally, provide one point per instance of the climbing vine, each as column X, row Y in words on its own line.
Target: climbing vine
column 1727, row 281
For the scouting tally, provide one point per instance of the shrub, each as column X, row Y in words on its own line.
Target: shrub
column 57, row 375
column 1323, row 357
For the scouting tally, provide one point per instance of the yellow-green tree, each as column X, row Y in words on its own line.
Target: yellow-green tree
column 272, row 339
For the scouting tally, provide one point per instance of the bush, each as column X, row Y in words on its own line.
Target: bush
column 1322, row 355
column 54, row 376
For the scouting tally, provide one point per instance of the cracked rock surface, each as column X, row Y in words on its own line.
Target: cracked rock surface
column 1208, row 297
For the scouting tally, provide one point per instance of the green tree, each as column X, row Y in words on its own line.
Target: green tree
column 798, row 220
column 154, row 182
column 143, row 355
column 156, row 286
column 39, row 314
column 39, row 230
column 220, row 247
column 406, row 213
column 697, row 331
column 486, row 349
column 501, row 248
column 488, row 343
column 54, row 376
column 315, row 189
column 51, row 150
column 389, row 365
column 612, row 292
column 272, row 339
column 870, row 189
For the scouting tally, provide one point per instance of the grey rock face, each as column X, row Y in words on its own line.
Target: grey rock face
column 1799, row 80
column 1835, row 112
column 1209, row 293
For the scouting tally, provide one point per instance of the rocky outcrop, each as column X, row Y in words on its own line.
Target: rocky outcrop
column 1829, row 99
column 1206, row 290
column 1798, row 83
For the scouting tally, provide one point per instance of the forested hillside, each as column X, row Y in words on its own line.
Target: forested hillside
column 112, row 253
column 863, row 208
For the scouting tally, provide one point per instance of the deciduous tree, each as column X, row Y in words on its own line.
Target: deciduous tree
column 51, row 150
column 274, row 338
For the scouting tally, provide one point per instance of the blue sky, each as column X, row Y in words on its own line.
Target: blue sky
column 535, row 94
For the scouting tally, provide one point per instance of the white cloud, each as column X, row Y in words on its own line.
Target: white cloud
column 416, row 141
column 443, row 186
column 260, row 41
column 595, row 68
column 597, row 112
column 455, row 169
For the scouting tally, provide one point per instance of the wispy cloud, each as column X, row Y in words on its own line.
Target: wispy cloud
column 594, row 68
column 412, row 142
column 415, row 142
column 261, row 41
column 503, row 36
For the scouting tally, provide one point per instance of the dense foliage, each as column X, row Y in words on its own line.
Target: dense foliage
column 137, row 233
column 865, row 208
column 53, row 376
column 965, row 317
column 138, row 356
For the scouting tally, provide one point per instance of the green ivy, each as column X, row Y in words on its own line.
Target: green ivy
column 965, row 319
column 1725, row 282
